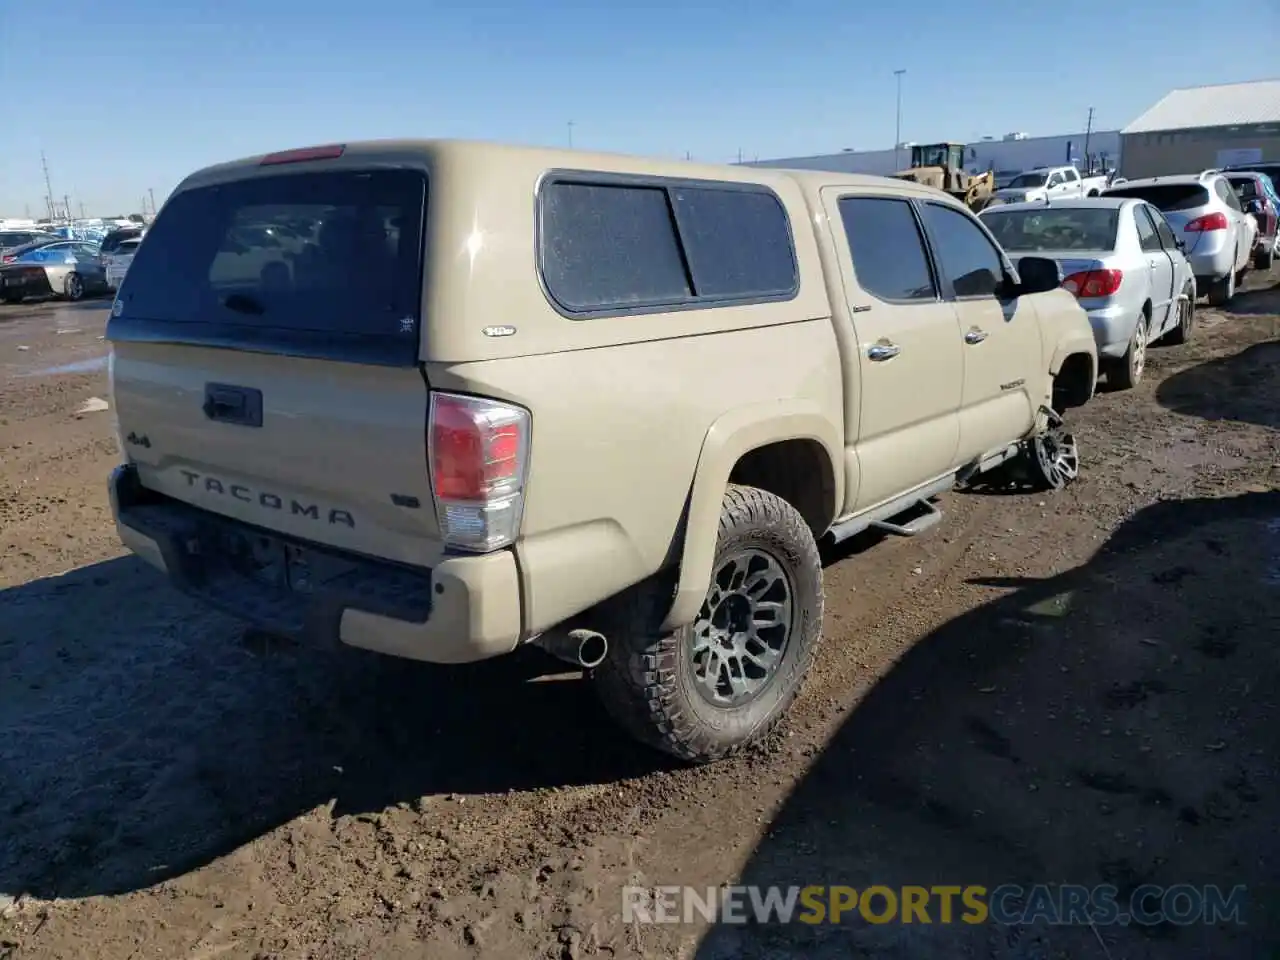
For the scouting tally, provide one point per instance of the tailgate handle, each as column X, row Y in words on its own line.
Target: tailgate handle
column 230, row 404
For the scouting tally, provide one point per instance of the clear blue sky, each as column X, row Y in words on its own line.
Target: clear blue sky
column 123, row 95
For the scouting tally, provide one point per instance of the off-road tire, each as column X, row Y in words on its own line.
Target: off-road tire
column 1181, row 333
column 646, row 682
column 1126, row 372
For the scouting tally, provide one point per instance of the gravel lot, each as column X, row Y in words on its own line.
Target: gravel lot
column 1078, row 687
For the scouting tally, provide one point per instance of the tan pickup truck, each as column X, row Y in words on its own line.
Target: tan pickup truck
column 444, row 399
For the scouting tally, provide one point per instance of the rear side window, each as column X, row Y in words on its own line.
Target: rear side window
column 612, row 247
column 887, row 249
column 325, row 264
column 1246, row 188
column 1169, row 197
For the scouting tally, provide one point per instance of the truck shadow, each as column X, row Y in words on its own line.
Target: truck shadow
column 1240, row 387
column 1111, row 725
column 144, row 736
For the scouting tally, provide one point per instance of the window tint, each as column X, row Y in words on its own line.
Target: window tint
column 113, row 239
column 1071, row 175
column 609, row 246
column 888, row 252
column 1169, row 197
column 312, row 255
column 1163, row 229
column 1055, row 180
column 965, row 255
column 1246, row 188
column 737, row 242
column 1147, row 236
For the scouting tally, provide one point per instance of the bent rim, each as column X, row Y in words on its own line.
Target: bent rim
column 743, row 630
column 1058, row 455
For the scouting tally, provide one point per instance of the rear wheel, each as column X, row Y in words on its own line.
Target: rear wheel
column 1126, row 373
column 706, row 690
column 1264, row 259
column 1181, row 332
column 74, row 287
column 1222, row 290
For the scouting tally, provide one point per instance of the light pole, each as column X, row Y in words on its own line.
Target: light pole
column 570, row 134
column 897, row 130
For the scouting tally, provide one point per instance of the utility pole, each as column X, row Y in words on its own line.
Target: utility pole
column 1087, row 131
column 81, row 209
column 66, row 205
column 897, row 129
column 152, row 194
column 48, row 189
column 570, row 141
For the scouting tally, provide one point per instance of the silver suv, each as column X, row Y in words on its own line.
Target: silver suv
column 1206, row 212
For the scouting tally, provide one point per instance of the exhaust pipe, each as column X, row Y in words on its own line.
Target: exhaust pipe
column 582, row 648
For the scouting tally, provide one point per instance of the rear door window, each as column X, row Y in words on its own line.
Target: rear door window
column 1169, row 197
column 1148, row 238
column 887, row 249
column 326, row 264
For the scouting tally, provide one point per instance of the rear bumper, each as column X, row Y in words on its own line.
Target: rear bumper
column 1113, row 327
column 464, row 609
column 1213, row 259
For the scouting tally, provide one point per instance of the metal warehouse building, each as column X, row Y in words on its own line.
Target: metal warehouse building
column 1008, row 154
column 1196, row 128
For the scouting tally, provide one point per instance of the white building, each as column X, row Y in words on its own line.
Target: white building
column 1012, row 153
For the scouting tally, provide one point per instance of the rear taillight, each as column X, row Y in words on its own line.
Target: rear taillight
column 477, row 451
column 1210, row 221
column 1093, row 283
column 8, row 259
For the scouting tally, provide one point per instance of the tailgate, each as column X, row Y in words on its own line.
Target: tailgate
column 329, row 452
column 265, row 356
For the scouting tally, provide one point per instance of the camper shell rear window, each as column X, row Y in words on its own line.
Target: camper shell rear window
column 325, row 264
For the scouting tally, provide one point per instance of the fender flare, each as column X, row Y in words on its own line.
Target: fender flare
column 1070, row 346
column 733, row 434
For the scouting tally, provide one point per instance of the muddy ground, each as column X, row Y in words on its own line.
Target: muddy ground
column 1078, row 687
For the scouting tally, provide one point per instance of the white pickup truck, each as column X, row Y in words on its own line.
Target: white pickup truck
column 1050, row 183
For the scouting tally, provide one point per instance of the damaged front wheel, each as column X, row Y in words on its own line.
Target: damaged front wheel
column 1053, row 453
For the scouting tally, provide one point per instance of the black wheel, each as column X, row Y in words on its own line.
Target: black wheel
column 73, row 288
column 1222, row 290
column 1053, row 456
column 1264, row 259
column 1181, row 333
column 709, row 689
column 1126, row 373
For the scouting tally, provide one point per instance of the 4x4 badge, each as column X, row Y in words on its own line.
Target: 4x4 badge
column 502, row 331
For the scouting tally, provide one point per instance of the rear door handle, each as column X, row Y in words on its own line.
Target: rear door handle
column 975, row 335
column 883, row 350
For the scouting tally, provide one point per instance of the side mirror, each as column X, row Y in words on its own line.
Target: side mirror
column 1182, row 244
column 1037, row 275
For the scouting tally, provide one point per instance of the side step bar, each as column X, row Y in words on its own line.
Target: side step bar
column 882, row 517
column 915, row 526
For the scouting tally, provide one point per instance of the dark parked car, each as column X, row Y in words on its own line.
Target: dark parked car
column 71, row 269
column 1252, row 189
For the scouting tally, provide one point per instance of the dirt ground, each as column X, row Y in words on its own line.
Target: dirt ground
column 1078, row 687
